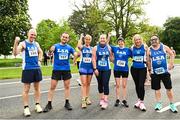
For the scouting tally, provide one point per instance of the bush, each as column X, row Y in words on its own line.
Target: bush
column 10, row 62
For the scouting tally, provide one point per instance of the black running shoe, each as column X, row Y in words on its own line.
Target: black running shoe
column 124, row 103
column 68, row 106
column 47, row 108
column 117, row 103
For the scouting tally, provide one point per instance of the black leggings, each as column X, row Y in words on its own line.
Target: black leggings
column 139, row 77
column 103, row 81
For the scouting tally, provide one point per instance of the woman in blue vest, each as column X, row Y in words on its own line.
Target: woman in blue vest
column 102, row 69
column 159, row 69
column 85, row 68
column 31, row 55
column 121, row 70
column 139, row 69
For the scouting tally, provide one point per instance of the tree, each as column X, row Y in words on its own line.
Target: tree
column 171, row 34
column 14, row 21
column 49, row 33
column 89, row 19
column 125, row 16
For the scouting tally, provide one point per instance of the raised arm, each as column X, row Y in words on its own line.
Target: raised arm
column 17, row 48
column 80, row 42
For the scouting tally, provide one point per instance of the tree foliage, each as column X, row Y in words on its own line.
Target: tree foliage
column 49, row 33
column 89, row 19
column 171, row 34
column 14, row 21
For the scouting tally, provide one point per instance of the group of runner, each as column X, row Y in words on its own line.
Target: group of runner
column 96, row 60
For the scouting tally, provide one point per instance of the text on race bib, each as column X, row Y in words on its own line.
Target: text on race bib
column 87, row 60
column 121, row 63
column 160, row 70
column 33, row 53
column 63, row 56
column 102, row 63
column 138, row 58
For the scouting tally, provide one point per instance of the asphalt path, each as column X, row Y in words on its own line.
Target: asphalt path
column 11, row 106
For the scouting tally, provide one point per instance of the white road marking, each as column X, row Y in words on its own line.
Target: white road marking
column 60, row 89
column 167, row 107
column 19, row 82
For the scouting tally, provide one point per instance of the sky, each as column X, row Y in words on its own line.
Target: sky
column 157, row 10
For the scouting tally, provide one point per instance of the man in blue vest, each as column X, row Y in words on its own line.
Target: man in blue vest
column 159, row 69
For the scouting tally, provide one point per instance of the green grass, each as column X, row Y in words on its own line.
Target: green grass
column 10, row 73
column 10, row 62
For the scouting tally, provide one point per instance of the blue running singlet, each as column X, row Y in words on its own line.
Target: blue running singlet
column 30, row 56
column 158, row 60
column 103, row 61
column 139, row 57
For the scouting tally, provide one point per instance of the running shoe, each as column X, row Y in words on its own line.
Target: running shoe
column 47, row 108
column 117, row 103
column 173, row 108
column 124, row 103
column 38, row 108
column 68, row 106
column 101, row 102
column 137, row 104
column 158, row 106
column 88, row 101
column 27, row 112
column 142, row 106
column 104, row 105
column 83, row 103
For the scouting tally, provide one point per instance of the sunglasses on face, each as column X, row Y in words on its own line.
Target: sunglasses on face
column 154, row 39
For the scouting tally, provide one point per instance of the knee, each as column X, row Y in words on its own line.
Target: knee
column 124, row 86
column 53, row 87
column 66, row 87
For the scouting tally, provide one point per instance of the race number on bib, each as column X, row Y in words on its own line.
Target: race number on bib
column 63, row 56
column 160, row 70
column 87, row 60
column 121, row 63
column 33, row 53
column 102, row 63
column 138, row 58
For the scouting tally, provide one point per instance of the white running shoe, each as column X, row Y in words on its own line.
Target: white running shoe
column 142, row 106
column 137, row 104
column 38, row 108
column 78, row 81
column 27, row 112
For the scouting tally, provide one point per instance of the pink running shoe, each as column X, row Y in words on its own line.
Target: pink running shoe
column 137, row 105
column 101, row 102
column 142, row 106
column 104, row 105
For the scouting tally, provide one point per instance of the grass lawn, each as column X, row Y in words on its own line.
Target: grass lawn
column 9, row 73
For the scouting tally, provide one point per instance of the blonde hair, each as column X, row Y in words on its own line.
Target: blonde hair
column 88, row 36
column 103, row 35
column 137, row 36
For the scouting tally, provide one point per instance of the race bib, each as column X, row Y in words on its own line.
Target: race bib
column 102, row 63
column 160, row 70
column 33, row 53
column 87, row 60
column 63, row 56
column 121, row 63
column 138, row 58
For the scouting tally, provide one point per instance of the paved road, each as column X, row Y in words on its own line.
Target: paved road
column 11, row 102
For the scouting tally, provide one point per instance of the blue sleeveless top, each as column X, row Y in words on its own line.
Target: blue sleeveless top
column 103, row 61
column 30, row 56
column 86, row 59
column 158, row 60
column 139, row 57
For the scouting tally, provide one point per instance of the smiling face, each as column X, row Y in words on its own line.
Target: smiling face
column 154, row 41
column 32, row 35
column 64, row 38
column 102, row 39
column 137, row 39
column 121, row 43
